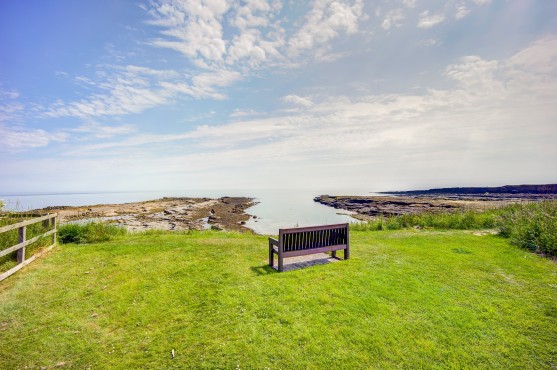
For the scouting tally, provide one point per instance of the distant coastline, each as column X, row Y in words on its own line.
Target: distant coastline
column 506, row 189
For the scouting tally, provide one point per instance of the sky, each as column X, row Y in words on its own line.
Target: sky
column 104, row 95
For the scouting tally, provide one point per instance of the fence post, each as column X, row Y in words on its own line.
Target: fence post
column 21, row 238
column 54, row 219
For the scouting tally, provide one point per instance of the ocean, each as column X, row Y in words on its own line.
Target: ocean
column 275, row 209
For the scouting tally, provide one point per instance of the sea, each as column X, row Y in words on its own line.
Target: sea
column 274, row 209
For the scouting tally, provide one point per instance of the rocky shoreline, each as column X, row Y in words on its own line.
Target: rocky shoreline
column 226, row 213
column 368, row 207
column 506, row 191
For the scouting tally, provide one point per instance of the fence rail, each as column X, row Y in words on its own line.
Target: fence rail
column 48, row 222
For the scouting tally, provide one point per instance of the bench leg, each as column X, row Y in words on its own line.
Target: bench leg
column 334, row 254
column 280, row 265
column 347, row 253
column 271, row 254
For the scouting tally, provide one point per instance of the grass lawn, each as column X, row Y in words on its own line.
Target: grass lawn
column 405, row 299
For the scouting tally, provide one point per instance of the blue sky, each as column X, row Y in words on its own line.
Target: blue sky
column 382, row 95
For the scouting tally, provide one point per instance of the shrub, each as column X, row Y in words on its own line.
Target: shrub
column 463, row 220
column 531, row 226
column 91, row 232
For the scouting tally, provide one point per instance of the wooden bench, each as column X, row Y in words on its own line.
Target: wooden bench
column 300, row 241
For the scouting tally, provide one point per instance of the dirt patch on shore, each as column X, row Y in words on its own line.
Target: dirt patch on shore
column 225, row 213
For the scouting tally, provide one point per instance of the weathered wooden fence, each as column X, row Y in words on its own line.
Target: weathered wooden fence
column 49, row 222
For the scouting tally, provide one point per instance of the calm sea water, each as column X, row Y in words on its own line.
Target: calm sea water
column 276, row 208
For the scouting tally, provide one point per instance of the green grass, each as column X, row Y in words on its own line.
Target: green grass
column 405, row 299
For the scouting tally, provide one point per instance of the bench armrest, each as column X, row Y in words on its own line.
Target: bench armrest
column 273, row 241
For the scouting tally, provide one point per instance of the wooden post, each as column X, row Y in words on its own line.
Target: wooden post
column 280, row 264
column 280, row 250
column 21, row 238
column 271, row 262
column 347, row 250
column 54, row 228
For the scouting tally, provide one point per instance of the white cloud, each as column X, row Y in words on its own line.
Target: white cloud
column 203, row 85
column 496, row 112
column 252, row 13
column 429, row 42
column 393, row 18
column 493, row 106
column 540, row 57
column 298, row 100
column 410, row 3
column 126, row 90
column 485, row 112
column 244, row 113
column 193, row 28
column 476, row 74
column 10, row 111
column 461, row 11
column 9, row 94
column 133, row 89
column 428, row 21
column 10, row 108
column 13, row 139
column 468, row 132
column 101, row 131
column 247, row 47
column 324, row 22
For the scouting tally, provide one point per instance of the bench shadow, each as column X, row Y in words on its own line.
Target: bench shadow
column 297, row 263
column 263, row 270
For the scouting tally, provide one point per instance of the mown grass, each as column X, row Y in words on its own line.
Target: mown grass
column 405, row 299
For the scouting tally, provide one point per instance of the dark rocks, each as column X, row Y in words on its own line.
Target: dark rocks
column 415, row 202
column 373, row 206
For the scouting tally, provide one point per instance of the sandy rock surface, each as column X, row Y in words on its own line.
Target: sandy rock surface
column 225, row 213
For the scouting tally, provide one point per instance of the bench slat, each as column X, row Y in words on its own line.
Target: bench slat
column 312, row 228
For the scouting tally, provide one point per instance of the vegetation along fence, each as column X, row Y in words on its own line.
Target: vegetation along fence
column 48, row 223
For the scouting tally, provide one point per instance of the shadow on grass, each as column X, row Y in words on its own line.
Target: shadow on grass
column 297, row 263
column 263, row 270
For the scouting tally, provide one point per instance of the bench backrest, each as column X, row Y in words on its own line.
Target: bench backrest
column 302, row 238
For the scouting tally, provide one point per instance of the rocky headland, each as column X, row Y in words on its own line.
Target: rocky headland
column 437, row 200
column 508, row 191
column 226, row 213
